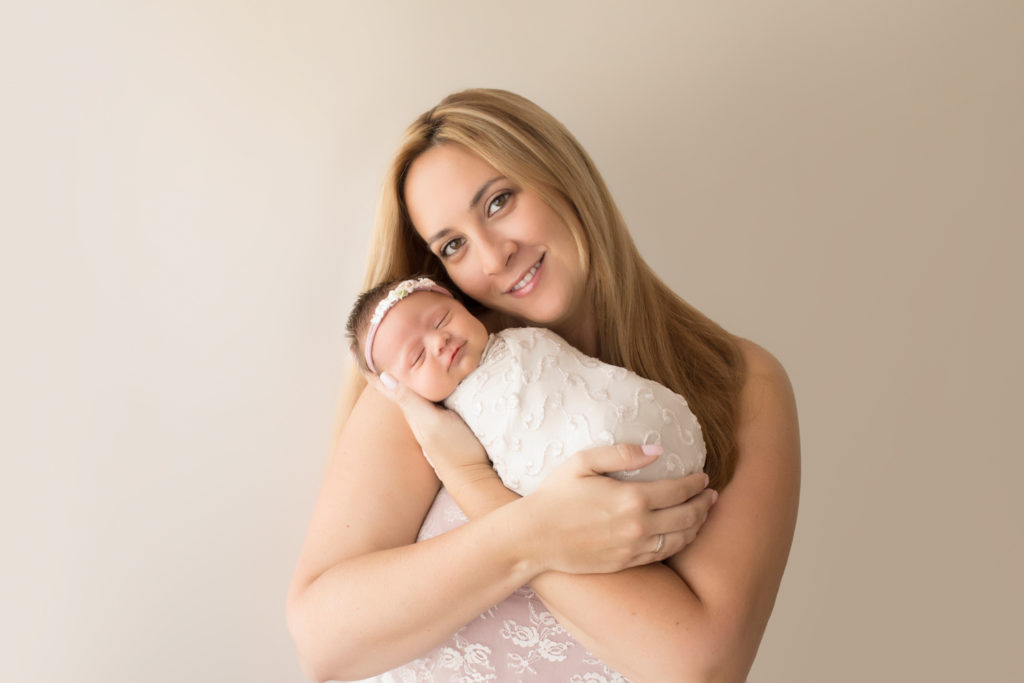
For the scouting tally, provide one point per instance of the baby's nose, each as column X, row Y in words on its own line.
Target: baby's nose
column 440, row 340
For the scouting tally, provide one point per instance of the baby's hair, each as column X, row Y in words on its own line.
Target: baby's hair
column 358, row 324
column 359, row 318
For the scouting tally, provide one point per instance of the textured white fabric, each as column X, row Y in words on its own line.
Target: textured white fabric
column 535, row 400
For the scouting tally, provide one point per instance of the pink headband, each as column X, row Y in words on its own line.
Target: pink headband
column 397, row 293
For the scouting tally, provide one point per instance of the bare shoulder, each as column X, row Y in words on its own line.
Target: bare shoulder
column 763, row 369
column 736, row 563
column 767, row 433
column 767, row 400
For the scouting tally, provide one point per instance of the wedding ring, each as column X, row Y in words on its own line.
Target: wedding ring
column 661, row 542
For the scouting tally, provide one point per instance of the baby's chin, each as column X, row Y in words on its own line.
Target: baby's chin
column 465, row 369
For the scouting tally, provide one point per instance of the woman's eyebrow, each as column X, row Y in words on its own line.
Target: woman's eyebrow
column 473, row 202
column 480, row 192
column 438, row 235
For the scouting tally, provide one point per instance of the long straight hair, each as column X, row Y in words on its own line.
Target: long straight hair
column 642, row 325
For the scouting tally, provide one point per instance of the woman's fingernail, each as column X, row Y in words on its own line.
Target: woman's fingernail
column 652, row 449
column 707, row 480
column 388, row 381
column 714, row 496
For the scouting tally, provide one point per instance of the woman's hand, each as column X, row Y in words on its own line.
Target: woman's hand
column 448, row 444
column 598, row 524
column 586, row 523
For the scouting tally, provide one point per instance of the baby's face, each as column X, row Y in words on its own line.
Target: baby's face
column 429, row 342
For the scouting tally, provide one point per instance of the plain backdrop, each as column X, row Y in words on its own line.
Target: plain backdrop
column 187, row 193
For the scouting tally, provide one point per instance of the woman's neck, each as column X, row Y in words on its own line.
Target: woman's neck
column 580, row 330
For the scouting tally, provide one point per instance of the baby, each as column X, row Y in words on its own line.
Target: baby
column 529, row 397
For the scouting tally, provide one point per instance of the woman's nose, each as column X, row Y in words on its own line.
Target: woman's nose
column 495, row 253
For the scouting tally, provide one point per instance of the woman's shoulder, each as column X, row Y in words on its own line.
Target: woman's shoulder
column 762, row 367
column 767, row 404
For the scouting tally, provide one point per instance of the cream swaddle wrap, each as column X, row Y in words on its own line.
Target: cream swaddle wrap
column 535, row 400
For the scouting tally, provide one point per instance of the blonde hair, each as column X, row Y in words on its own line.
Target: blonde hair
column 641, row 323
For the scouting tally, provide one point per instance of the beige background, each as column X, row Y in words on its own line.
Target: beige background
column 187, row 193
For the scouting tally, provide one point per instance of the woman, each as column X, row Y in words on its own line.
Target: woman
column 493, row 196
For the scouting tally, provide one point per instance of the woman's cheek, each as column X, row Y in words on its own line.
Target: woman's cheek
column 471, row 285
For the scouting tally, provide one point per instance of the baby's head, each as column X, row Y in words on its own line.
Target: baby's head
column 418, row 333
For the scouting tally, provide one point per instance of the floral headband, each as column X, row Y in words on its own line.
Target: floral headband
column 397, row 293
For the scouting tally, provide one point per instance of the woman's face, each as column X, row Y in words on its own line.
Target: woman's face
column 501, row 243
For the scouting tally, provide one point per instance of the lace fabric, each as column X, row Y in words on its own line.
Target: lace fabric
column 534, row 401
column 516, row 640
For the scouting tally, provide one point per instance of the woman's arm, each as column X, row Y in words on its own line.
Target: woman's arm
column 366, row 598
column 735, row 566
column 700, row 616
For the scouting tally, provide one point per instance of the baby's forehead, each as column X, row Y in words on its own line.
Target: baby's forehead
column 420, row 302
column 423, row 299
column 424, row 296
column 409, row 317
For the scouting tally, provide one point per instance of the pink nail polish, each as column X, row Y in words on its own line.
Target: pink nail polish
column 714, row 496
column 652, row 449
column 388, row 381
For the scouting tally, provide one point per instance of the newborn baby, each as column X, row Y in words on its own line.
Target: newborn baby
column 529, row 397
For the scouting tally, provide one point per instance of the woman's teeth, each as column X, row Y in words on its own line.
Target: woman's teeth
column 526, row 278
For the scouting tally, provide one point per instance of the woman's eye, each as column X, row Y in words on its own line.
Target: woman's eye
column 498, row 203
column 451, row 246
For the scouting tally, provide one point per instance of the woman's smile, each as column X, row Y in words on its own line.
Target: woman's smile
column 528, row 282
column 500, row 242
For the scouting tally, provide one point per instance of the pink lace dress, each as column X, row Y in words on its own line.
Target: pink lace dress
column 516, row 640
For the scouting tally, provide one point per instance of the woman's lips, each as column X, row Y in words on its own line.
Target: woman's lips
column 528, row 282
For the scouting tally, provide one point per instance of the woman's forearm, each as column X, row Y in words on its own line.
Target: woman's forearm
column 374, row 612
column 699, row 616
column 365, row 597
column 645, row 622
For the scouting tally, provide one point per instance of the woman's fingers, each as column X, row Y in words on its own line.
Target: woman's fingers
column 616, row 458
column 605, row 525
column 668, row 493
column 677, row 510
column 678, row 526
column 690, row 515
column 447, row 442
column 421, row 414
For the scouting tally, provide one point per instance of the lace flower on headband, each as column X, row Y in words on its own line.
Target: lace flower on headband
column 397, row 293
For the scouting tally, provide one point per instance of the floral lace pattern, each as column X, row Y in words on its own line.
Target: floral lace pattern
column 535, row 400
column 516, row 640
